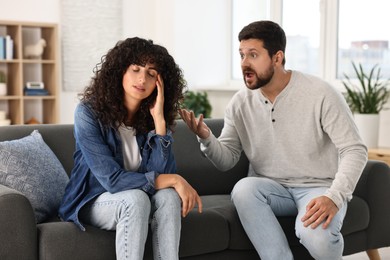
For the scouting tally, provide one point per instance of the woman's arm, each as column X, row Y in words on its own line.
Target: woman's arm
column 97, row 149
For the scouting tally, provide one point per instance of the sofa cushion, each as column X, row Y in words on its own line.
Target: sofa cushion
column 203, row 233
column 238, row 239
column 64, row 240
column 222, row 205
column 29, row 166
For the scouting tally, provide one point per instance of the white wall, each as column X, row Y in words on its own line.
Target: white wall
column 196, row 33
column 30, row 10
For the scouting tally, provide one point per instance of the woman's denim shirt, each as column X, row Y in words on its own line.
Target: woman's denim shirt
column 99, row 165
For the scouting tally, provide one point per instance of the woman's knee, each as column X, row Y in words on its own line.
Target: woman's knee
column 134, row 203
column 167, row 198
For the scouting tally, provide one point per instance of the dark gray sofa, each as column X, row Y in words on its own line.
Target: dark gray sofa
column 214, row 234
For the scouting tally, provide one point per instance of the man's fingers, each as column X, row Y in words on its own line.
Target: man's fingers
column 327, row 222
column 200, row 123
column 194, row 125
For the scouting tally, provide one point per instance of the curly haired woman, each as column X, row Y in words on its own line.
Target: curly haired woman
column 124, row 172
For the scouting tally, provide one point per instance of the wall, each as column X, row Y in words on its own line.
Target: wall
column 201, row 47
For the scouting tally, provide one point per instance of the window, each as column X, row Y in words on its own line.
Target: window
column 243, row 13
column 303, row 35
column 363, row 37
column 323, row 36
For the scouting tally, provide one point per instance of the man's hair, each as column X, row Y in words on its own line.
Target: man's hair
column 270, row 33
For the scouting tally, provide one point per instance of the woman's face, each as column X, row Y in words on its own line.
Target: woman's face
column 139, row 82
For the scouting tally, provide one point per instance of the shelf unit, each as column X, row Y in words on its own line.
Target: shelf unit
column 19, row 70
column 380, row 154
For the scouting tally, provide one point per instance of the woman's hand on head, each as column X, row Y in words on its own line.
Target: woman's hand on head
column 157, row 109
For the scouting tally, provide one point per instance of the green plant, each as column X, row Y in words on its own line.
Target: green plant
column 370, row 94
column 197, row 102
column 2, row 77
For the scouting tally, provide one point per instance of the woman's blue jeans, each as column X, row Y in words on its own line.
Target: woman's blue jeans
column 130, row 212
column 260, row 200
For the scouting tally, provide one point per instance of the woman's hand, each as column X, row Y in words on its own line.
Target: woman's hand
column 157, row 109
column 188, row 195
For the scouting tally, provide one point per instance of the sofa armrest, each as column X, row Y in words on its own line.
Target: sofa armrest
column 374, row 188
column 18, row 232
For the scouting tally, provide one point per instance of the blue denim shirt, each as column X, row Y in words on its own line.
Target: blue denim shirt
column 99, row 165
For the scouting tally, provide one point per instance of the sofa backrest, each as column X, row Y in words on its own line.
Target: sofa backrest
column 58, row 137
column 191, row 163
column 197, row 169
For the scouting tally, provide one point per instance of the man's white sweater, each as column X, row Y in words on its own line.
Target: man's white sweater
column 306, row 138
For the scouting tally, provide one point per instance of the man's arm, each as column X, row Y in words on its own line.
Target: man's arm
column 197, row 126
column 223, row 152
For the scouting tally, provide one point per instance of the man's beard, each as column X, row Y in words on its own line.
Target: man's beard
column 260, row 81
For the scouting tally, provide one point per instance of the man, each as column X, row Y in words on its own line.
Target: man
column 305, row 152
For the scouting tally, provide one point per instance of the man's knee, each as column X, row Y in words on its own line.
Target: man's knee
column 252, row 187
column 322, row 243
column 243, row 189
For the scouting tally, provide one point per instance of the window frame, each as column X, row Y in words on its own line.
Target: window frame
column 328, row 46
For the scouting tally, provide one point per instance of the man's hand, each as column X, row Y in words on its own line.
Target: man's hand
column 195, row 125
column 319, row 210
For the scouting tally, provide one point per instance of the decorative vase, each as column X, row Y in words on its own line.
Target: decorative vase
column 368, row 126
column 3, row 89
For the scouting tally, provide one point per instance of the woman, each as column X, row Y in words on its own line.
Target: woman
column 124, row 173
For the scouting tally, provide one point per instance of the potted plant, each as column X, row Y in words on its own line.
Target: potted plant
column 367, row 97
column 198, row 102
column 3, row 84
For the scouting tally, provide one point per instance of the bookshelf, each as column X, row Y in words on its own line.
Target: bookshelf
column 380, row 154
column 19, row 70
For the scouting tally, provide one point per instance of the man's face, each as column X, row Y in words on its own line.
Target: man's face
column 256, row 65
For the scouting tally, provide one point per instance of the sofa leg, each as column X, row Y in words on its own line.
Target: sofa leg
column 373, row 254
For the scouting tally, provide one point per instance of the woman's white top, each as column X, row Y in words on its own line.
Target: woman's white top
column 131, row 154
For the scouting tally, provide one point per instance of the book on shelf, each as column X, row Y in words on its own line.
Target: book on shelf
column 2, row 47
column 35, row 92
column 9, row 47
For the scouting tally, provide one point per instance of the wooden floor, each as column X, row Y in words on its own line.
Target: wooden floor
column 383, row 252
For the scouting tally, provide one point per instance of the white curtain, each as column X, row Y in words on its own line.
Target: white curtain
column 89, row 29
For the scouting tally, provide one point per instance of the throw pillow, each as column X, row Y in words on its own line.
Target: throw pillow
column 29, row 166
